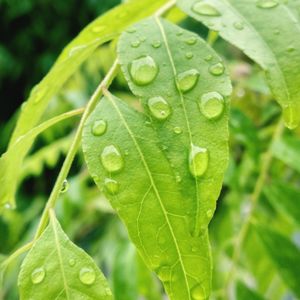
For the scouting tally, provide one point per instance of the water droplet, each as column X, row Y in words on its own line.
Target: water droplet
column 111, row 185
column 266, row 3
column 187, row 80
column 238, row 25
column 143, row 70
column 164, row 273
column 217, row 69
column 159, row 108
column 205, row 9
column 87, row 276
column 208, row 57
column 198, row 293
column 38, row 93
column 64, row 187
column 198, row 160
column 189, row 55
column 72, row 262
column 179, row 33
column 276, row 31
column 209, row 213
column 131, row 29
column 178, row 178
column 156, row 44
column 97, row 29
column 191, row 41
column 290, row 49
column 23, row 106
column 135, row 44
column 212, row 105
column 143, row 38
column 177, row 129
column 195, row 249
column 108, row 291
column 76, row 49
column 99, row 127
column 112, row 159
column 38, row 275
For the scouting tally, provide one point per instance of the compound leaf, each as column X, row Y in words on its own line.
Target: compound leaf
column 268, row 32
column 55, row 268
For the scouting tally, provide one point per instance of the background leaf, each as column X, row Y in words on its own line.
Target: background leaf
column 245, row 293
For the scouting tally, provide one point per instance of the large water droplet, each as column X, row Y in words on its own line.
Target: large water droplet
column 38, row 275
column 164, row 273
column 65, row 186
column 159, row 108
column 238, row 25
column 187, row 80
column 87, row 276
column 205, row 9
column 143, row 70
column 198, row 160
column 112, row 159
column 217, row 69
column 266, row 3
column 99, row 127
column 198, row 293
column 212, row 105
column 111, row 185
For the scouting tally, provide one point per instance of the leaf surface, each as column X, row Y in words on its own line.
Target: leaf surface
column 55, row 268
column 270, row 35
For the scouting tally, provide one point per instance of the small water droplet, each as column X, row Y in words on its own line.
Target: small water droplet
column 212, row 105
column 131, row 30
column 164, row 273
column 87, row 276
column 179, row 33
column 99, row 127
column 159, row 108
column 178, row 178
column 108, row 291
column 198, row 293
column 209, row 213
column 112, row 159
column 23, row 106
column 189, row 55
column 217, row 69
column 143, row 38
column 177, row 129
column 198, row 160
column 266, row 3
column 76, row 49
column 191, row 40
column 156, row 44
column 135, row 44
column 72, row 262
column 276, row 31
column 205, row 9
column 97, row 29
column 64, row 187
column 38, row 275
column 143, row 70
column 238, row 25
column 111, row 185
column 187, row 80
column 195, row 249
column 208, row 57
column 290, row 49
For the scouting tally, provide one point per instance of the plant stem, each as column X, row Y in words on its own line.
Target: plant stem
column 254, row 201
column 165, row 8
column 73, row 149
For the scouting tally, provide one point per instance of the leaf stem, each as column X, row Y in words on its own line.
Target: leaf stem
column 263, row 174
column 165, row 8
column 73, row 149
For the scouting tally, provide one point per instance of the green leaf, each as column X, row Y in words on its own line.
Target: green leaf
column 55, row 268
column 245, row 293
column 284, row 254
column 285, row 199
column 12, row 160
column 287, row 149
column 269, row 36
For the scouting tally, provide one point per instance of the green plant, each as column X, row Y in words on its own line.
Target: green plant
column 161, row 164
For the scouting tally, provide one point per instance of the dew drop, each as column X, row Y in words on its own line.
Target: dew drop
column 97, row 29
column 217, row 69
column 164, row 273
column 205, row 9
column 187, row 80
column 87, row 276
column 198, row 293
column 266, row 3
column 64, row 187
column 135, row 44
column 159, row 108
column 143, row 70
column 76, row 49
column 38, row 275
column 208, row 57
column 156, row 44
column 72, row 262
column 177, row 129
column 99, row 127
column 195, row 249
column 191, row 41
column 111, row 185
column 143, row 38
column 276, row 31
column 238, row 25
column 131, row 30
column 212, row 105
column 112, row 159
column 290, row 49
column 198, row 160
column 178, row 178
column 179, row 33
column 189, row 55
column 209, row 213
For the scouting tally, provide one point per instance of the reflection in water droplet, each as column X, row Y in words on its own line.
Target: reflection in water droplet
column 156, row 44
column 238, row 25
column 143, row 70
column 205, row 9
column 135, row 44
column 111, row 185
column 112, row 159
column 189, row 55
column 159, row 108
column 191, row 41
column 198, row 293
column 38, row 275
column 266, row 3
column 217, row 69
column 72, row 262
column 164, row 273
column 177, row 129
column 65, row 186
column 212, row 105
column 198, row 160
column 99, row 127
column 187, row 80
column 87, row 276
